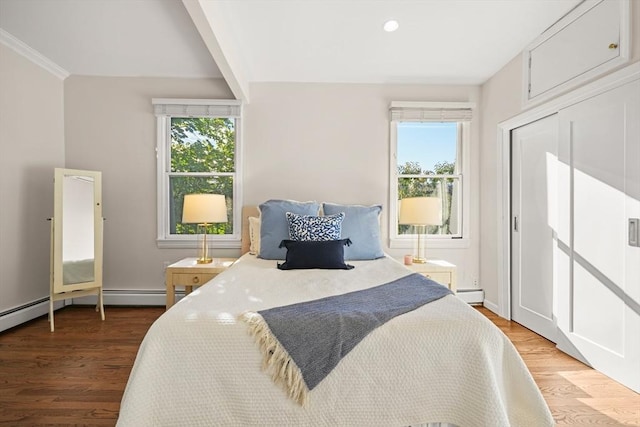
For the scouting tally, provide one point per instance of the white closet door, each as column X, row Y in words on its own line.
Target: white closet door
column 599, row 273
column 534, row 212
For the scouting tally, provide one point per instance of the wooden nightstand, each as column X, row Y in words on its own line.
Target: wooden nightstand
column 188, row 273
column 439, row 271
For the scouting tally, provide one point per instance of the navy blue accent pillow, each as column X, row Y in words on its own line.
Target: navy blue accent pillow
column 325, row 254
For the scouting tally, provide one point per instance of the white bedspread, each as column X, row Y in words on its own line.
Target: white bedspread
column 443, row 362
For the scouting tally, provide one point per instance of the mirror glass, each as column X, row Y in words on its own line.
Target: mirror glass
column 78, row 247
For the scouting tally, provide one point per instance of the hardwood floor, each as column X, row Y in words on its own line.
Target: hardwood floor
column 76, row 375
column 576, row 394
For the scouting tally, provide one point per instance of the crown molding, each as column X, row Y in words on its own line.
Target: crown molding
column 32, row 55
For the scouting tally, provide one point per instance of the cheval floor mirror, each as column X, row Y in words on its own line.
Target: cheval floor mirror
column 76, row 237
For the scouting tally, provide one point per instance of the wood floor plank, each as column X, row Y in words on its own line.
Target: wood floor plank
column 77, row 375
column 576, row 394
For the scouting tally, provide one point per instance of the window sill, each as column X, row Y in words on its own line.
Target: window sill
column 431, row 243
column 193, row 244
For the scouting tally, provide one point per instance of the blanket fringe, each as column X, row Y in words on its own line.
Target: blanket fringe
column 276, row 359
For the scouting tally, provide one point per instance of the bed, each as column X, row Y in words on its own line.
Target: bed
column 442, row 364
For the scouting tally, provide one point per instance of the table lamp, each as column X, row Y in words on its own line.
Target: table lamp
column 204, row 209
column 420, row 212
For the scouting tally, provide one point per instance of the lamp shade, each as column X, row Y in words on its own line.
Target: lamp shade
column 421, row 211
column 204, row 208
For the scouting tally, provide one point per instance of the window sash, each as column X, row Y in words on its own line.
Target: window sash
column 457, row 175
column 175, row 200
column 163, row 109
column 455, row 199
column 397, row 114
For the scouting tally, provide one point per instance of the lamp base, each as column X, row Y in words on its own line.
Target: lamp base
column 204, row 260
column 419, row 260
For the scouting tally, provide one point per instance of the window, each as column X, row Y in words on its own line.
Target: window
column 429, row 145
column 197, row 152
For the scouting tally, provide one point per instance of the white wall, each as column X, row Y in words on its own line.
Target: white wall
column 301, row 141
column 501, row 100
column 110, row 127
column 32, row 145
column 330, row 142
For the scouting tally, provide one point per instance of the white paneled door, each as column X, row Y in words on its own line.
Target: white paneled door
column 598, row 270
column 533, row 226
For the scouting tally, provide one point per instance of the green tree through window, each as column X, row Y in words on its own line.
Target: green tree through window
column 202, row 156
column 415, row 182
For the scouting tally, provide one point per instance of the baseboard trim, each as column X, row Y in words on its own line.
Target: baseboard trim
column 123, row 297
column 492, row 307
column 26, row 312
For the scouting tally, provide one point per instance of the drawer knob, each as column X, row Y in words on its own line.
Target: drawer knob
column 613, row 46
column 195, row 279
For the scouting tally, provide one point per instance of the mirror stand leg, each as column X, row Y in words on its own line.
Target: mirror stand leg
column 51, row 312
column 100, row 303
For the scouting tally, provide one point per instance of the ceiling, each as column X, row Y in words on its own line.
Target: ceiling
column 438, row 41
column 152, row 38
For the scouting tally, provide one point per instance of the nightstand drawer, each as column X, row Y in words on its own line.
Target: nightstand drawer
column 192, row 279
column 444, row 278
column 189, row 273
column 439, row 271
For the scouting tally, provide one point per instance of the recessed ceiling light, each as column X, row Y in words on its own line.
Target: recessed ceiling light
column 391, row 25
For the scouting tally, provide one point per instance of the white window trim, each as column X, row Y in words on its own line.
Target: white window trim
column 433, row 241
column 164, row 109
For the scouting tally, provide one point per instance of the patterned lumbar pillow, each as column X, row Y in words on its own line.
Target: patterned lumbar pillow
column 315, row 228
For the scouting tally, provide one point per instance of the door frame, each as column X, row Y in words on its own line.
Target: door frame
column 613, row 80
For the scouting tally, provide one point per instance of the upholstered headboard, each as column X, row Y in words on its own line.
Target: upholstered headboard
column 247, row 211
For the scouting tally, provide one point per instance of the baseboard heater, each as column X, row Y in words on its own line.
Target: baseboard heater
column 471, row 296
column 29, row 311
column 129, row 298
column 24, row 313
column 158, row 298
column 32, row 310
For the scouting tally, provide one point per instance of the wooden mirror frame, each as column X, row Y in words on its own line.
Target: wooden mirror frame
column 93, row 285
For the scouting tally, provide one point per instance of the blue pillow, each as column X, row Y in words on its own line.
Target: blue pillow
column 310, row 227
column 325, row 254
column 274, row 227
column 362, row 225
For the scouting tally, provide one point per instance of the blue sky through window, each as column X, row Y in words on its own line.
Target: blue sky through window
column 427, row 143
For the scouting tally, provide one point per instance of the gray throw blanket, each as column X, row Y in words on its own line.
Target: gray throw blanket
column 301, row 343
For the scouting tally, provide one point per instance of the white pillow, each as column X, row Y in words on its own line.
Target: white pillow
column 254, row 235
